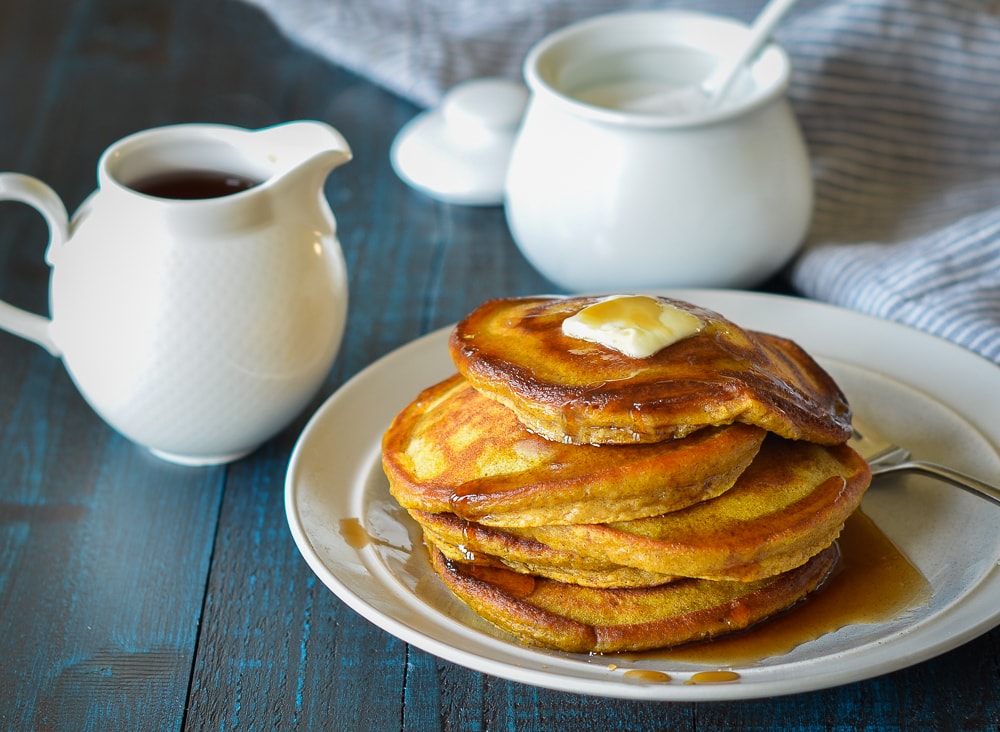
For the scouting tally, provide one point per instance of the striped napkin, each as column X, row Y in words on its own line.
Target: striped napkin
column 900, row 104
column 899, row 101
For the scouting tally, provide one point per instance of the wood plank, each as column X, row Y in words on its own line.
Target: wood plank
column 104, row 548
column 278, row 650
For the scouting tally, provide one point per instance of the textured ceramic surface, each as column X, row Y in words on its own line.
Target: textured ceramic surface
column 197, row 328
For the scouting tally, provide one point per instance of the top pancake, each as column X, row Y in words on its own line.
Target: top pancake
column 571, row 390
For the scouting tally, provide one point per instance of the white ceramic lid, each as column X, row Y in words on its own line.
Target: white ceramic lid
column 459, row 152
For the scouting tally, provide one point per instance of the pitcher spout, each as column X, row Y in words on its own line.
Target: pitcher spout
column 304, row 152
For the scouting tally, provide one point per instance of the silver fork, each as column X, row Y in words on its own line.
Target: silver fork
column 884, row 457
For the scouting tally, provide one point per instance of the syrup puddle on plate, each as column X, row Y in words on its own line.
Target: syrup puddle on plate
column 648, row 676
column 873, row 582
column 354, row 533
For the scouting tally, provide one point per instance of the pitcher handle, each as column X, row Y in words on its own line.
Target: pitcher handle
column 35, row 193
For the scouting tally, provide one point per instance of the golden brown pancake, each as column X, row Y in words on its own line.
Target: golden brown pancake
column 787, row 506
column 589, row 501
column 453, row 450
column 572, row 618
column 472, row 543
column 568, row 389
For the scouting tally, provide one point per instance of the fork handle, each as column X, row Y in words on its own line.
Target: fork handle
column 949, row 475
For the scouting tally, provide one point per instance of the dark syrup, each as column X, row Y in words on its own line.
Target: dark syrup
column 192, row 184
column 873, row 582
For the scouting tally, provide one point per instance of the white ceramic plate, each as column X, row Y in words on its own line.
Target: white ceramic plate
column 940, row 400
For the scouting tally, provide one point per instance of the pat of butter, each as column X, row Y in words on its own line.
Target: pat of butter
column 635, row 325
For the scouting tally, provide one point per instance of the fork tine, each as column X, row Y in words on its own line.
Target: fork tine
column 874, row 448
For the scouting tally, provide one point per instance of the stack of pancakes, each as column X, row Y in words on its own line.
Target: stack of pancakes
column 586, row 500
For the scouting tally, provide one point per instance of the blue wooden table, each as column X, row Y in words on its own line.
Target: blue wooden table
column 135, row 594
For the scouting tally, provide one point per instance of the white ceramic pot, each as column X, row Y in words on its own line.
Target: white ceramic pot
column 196, row 327
column 602, row 198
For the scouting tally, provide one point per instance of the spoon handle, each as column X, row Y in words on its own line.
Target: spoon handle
column 718, row 82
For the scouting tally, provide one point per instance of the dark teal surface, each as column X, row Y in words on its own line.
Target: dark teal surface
column 140, row 595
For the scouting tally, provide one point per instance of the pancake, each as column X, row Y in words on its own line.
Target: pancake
column 454, row 450
column 472, row 543
column 568, row 389
column 787, row 506
column 543, row 612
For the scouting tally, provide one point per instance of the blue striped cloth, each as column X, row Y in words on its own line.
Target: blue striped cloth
column 899, row 101
column 900, row 104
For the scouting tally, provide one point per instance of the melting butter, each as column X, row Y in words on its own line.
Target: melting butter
column 635, row 325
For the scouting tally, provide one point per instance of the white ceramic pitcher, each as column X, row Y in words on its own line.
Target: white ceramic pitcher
column 196, row 326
